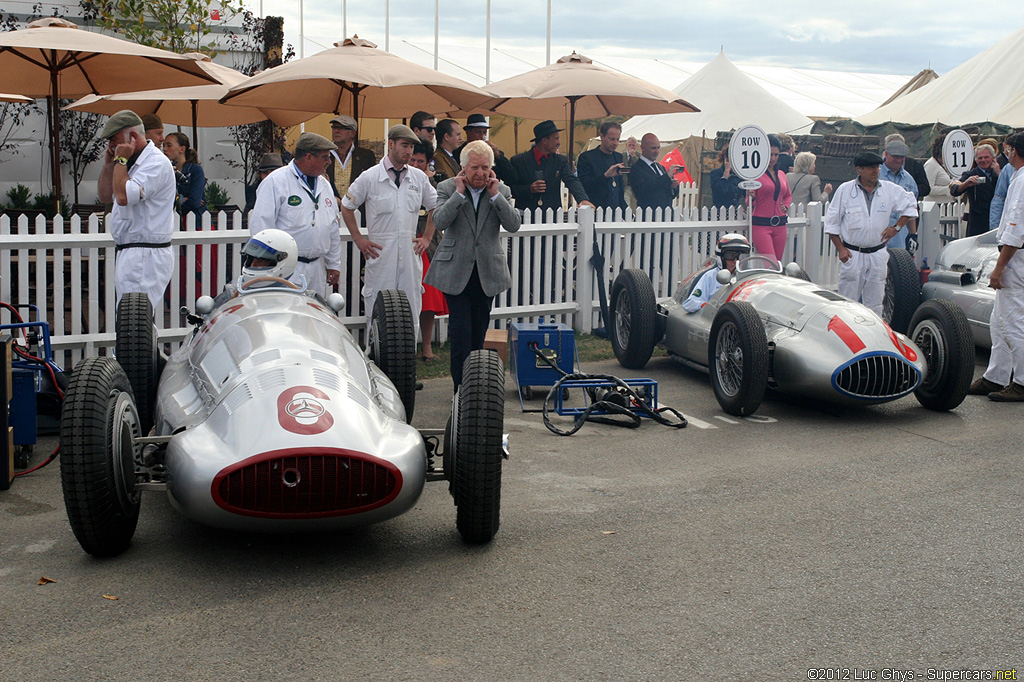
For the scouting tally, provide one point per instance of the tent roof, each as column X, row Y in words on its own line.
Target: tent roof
column 813, row 93
column 728, row 99
column 980, row 89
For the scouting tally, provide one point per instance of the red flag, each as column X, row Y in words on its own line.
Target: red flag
column 675, row 158
column 215, row 15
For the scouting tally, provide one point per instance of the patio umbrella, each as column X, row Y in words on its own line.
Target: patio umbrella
column 591, row 91
column 356, row 77
column 197, row 105
column 52, row 58
column 15, row 98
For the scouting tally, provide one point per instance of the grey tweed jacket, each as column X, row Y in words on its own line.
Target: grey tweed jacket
column 471, row 238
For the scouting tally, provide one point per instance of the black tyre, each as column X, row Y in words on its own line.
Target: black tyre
column 738, row 358
column 97, row 457
column 902, row 290
column 135, row 347
column 480, row 417
column 634, row 316
column 941, row 330
column 392, row 344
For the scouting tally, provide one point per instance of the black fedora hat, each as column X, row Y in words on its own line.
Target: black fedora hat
column 543, row 129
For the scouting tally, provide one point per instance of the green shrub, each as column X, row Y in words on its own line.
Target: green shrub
column 216, row 196
column 18, row 197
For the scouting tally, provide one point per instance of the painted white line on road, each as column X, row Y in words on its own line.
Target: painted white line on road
column 759, row 419
column 726, row 419
column 693, row 421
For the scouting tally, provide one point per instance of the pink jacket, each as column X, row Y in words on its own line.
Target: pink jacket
column 765, row 204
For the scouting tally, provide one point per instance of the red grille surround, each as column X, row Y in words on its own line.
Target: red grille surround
column 306, row 483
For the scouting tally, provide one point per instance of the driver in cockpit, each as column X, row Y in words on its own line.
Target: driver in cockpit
column 731, row 247
column 270, row 254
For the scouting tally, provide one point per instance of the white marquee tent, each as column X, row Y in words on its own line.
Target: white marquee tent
column 987, row 87
column 727, row 99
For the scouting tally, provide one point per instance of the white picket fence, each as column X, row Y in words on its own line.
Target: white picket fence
column 65, row 269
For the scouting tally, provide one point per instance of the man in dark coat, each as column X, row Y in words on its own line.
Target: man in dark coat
column 653, row 186
column 600, row 170
column 539, row 170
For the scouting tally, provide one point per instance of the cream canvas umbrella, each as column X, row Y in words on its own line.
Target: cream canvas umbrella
column 588, row 90
column 196, row 105
column 20, row 99
column 356, row 77
column 52, row 58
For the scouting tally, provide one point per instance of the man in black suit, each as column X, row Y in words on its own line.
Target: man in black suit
column 601, row 170
column 476, row 128
column 350, row 160
column 651, row 183
column 539, row 170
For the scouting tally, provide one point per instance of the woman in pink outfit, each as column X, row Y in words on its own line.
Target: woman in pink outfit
column 770, row 206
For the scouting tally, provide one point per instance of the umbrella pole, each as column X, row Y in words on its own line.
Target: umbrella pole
column 55, row 141
column 195, row 133
column 572, row 132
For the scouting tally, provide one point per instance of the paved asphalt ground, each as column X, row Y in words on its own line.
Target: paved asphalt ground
column 878, row 540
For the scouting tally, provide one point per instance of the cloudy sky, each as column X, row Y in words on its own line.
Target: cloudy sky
column 866, row 36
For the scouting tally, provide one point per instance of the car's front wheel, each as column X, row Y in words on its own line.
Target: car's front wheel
column 738, row 358
column 136, row 351
column 902, row 290
column 941, row 331
column 98, row 427
column 392, row 344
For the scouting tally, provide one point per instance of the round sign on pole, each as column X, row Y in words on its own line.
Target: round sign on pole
column 749, row 152
column 957, row 153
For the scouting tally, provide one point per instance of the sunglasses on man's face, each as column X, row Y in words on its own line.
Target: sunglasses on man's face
column 429, row 129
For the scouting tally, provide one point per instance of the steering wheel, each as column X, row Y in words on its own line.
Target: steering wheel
column 267, row 279
column 758, row 261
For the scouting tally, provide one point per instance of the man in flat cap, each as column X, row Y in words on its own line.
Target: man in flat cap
column 349, row 160
column 139, row 179
column 893, row 169
column 540, row 171
column 858, row 223
column 391, row 194
column 297, row 198
column 154, row 129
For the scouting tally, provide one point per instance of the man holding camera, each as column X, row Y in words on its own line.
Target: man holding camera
column 601, row 170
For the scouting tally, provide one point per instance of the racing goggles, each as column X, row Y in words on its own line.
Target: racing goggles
column 255, row 250
column 733, row 255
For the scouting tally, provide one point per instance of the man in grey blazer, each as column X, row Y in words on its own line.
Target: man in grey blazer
column 469, row 265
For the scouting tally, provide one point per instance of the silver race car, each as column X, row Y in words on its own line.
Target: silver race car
column 961, row 275
column 269, row 417
column 769, row 328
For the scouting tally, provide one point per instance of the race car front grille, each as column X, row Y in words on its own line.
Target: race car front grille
column 877, row 376
column 306, row 484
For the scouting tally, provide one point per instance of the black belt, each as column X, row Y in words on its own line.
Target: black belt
column 141, row 245
column 774, row 221
column 303, row 259
column 865, row 249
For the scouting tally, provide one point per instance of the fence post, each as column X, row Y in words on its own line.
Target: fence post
column 814, row 233
column 929, row 232
column 585, row 282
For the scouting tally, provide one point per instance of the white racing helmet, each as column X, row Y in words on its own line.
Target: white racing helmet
column 732, row 244
column 270, row 253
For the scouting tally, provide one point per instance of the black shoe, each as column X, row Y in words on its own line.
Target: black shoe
column 419, row 385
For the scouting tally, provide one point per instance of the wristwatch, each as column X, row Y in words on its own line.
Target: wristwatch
column 121, row 160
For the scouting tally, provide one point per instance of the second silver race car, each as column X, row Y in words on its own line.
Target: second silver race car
column 770, row 328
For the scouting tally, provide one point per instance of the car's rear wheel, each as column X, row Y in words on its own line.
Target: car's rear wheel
column 634, row 318
column 941, row 330
column 135, row 347
column 738, row 358
column 392, row 344
column 98, row 426
column 479, row 417
column 902, row 290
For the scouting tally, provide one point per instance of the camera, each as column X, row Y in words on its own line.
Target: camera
column 439, row 177
column 624, row 170
column 982, row 179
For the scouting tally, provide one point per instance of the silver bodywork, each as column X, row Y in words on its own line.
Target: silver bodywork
column 273, row 385
column 821, row 345
column 961, row 274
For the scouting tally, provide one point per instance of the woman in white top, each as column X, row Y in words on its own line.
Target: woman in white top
column 938, row 178
column 805, row 186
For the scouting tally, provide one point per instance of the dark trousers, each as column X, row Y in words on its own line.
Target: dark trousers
column 469, row 314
